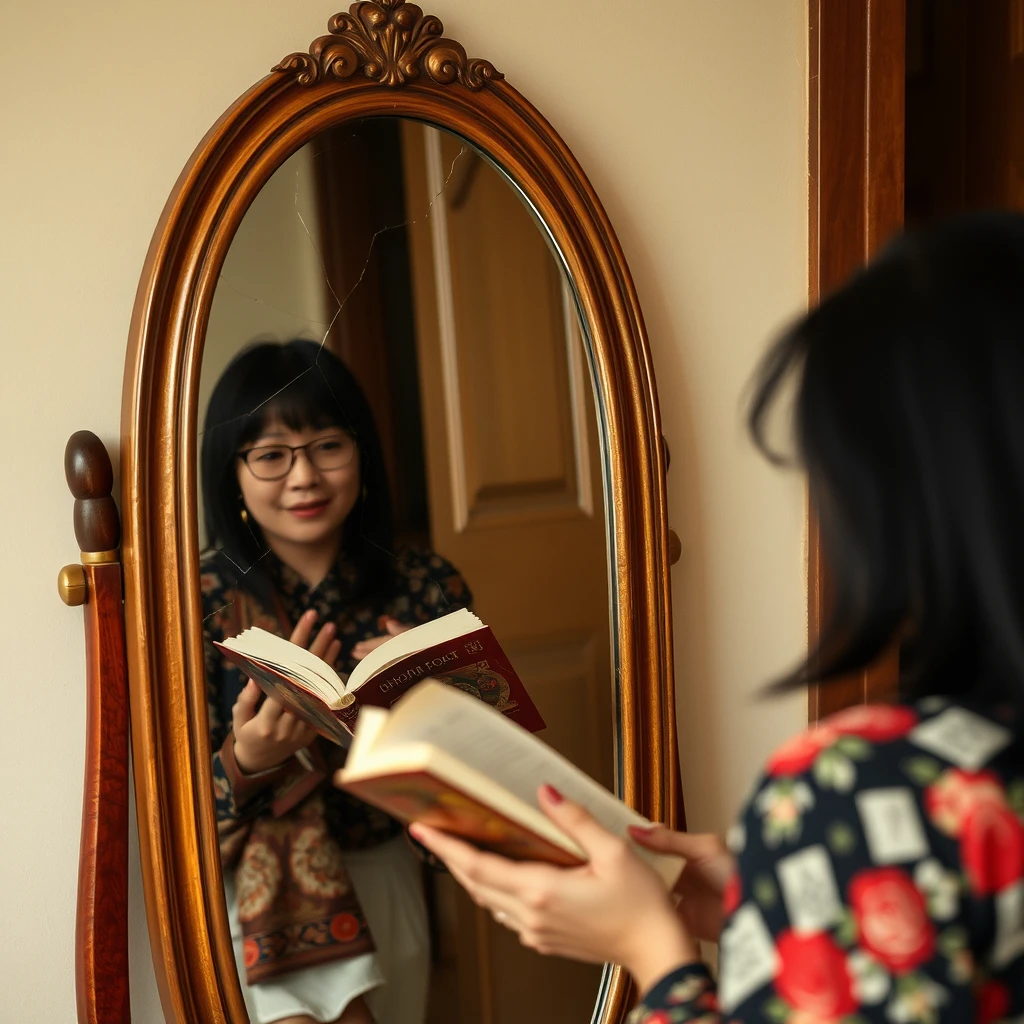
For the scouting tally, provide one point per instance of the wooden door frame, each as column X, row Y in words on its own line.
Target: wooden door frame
column 856, row 114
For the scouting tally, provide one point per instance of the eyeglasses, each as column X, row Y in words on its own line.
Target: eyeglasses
column 275, row 461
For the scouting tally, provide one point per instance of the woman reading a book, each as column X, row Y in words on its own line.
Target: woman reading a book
column 324, row 892
column 877, row 873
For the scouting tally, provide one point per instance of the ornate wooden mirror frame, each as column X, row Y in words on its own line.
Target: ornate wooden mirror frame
column 384, row 58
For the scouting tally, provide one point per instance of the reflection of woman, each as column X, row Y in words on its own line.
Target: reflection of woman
column 878, row 871
column 324, row 892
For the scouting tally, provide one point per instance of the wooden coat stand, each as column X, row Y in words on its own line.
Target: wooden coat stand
column 101, row 926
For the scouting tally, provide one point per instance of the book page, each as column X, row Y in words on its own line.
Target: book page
column 372, row 721
column 420, row 638
column 497, row 748
column 447, row 627
column 291, row 660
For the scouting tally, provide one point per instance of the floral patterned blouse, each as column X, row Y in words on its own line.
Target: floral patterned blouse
column 880, row 877
column 282, row 832
column 427, row 587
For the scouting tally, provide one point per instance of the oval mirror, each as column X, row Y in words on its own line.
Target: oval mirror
column 384, row 272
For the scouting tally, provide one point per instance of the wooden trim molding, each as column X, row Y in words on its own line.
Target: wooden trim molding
column 101, row 924
column 385, row 58
column 856, row 78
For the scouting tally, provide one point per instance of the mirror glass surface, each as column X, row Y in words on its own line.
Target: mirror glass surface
column 398, row 250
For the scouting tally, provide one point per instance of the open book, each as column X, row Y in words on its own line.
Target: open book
column 457, row 648
column 443, row 759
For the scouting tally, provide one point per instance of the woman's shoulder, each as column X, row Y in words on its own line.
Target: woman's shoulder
column 923, row 791
column 220, row 595
column 888, row 830
column 429, row 578
column 417, row 562
column 947, row 732
column 416, row 559
column 215, row 578
column 931, row 762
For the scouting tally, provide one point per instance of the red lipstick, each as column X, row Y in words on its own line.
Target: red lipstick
column 309, row 510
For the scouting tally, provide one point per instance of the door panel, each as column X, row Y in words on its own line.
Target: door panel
column 513, row 463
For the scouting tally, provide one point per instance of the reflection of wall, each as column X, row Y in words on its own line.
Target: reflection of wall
column 697, row 148
column 272, row 282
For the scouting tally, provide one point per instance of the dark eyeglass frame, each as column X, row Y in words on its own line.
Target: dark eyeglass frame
column 292, row 449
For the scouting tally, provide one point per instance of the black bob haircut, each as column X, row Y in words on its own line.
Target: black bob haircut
column 909, row 419
column 303, row 385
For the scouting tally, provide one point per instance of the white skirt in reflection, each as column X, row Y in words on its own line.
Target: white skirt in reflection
column 393, row 980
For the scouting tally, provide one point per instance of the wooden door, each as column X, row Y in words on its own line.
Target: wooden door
column 916, row 113
column 965, row 107
column 856, row 68
column 514, row 488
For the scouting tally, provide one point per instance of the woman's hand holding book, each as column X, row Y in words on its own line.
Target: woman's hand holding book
column 613, row 908
column 391, row 627
column 267, row 734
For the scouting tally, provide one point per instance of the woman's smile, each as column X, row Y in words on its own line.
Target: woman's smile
column 309, row 509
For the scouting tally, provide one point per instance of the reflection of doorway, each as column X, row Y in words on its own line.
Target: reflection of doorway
column 515, row 500
column 365, row 243
column 465, row 338
column 916, row 113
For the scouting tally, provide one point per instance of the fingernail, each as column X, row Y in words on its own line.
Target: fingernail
column 414, row 831
column 552, row 794
column 639, row 831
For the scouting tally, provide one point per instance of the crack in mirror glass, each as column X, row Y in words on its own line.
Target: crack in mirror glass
column 305, row 211
column 411, row 257
column 223, row 282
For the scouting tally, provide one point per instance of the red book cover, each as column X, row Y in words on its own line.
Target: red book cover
column 289, row 693
column 420, row 796
column 474, row 662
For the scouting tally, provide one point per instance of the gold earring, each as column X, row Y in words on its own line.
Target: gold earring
column 245, row 517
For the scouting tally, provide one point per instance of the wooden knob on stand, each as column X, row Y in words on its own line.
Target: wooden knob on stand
column 91, row 477
column 675, row 547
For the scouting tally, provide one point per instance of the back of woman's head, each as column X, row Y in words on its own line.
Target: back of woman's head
column 304, row 386
column 909, row 418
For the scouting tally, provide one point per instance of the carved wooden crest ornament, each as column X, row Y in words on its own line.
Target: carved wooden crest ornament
column 392, row 42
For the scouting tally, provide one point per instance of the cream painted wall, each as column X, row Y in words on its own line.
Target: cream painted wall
column 272, row 282
column 689, row 117
column 271, row 285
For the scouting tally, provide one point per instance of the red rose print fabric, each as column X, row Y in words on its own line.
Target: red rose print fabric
column 813, row 975
column 880, row 877
column 892, row 918
column 732, row 896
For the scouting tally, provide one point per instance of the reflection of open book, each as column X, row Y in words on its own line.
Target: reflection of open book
column 443, row 759
column 457, row 648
